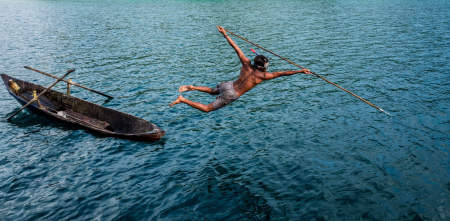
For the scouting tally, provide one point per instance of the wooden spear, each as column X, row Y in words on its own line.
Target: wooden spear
column 313, row 73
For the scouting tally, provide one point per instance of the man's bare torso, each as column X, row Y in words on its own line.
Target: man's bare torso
column 248, row 79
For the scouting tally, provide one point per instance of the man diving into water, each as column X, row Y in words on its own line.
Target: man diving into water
column 250, row 76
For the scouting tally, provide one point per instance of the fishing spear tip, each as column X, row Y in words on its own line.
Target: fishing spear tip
column 385, row 112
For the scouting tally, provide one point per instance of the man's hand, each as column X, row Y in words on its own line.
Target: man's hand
column 222, row 30
column 305, row 71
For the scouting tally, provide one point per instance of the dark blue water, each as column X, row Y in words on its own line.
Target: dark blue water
column 294, row 148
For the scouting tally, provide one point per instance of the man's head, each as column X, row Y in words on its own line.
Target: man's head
column 261, row 63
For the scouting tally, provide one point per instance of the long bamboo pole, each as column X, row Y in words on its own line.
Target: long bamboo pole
column 69, row 82
column 43, row 92
column 313, row 73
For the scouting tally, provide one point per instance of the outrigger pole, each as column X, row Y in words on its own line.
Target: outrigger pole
column 313, row 73
column 69, row 82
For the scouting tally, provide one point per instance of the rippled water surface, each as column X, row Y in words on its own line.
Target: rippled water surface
column 292, row 148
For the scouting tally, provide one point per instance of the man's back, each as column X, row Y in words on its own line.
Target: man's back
column 248, row 79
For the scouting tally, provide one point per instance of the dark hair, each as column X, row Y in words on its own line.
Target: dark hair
column 260, row 61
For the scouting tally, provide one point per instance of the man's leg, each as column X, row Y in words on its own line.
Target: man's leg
column 200, row 106
column 198, row 88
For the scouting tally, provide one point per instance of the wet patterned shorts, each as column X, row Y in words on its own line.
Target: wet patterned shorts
column 227, row 94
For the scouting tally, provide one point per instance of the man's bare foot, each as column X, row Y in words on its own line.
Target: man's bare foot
column 177, row 101
column 185, row 88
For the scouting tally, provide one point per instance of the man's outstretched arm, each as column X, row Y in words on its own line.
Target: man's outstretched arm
column 244, row 60
column 268, row 76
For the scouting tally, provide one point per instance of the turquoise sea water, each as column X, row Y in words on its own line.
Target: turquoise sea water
column 294, row 148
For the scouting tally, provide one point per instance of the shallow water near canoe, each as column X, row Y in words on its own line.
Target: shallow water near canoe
column 292, row 148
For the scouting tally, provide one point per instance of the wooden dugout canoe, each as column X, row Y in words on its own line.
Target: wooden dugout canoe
column 81, row 113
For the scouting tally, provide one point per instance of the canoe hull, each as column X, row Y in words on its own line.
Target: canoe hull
column 80, row 113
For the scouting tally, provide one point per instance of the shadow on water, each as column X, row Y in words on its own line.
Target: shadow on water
column 161, row 142
column 107, row 101
column 224, row 183
column 214, row 183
